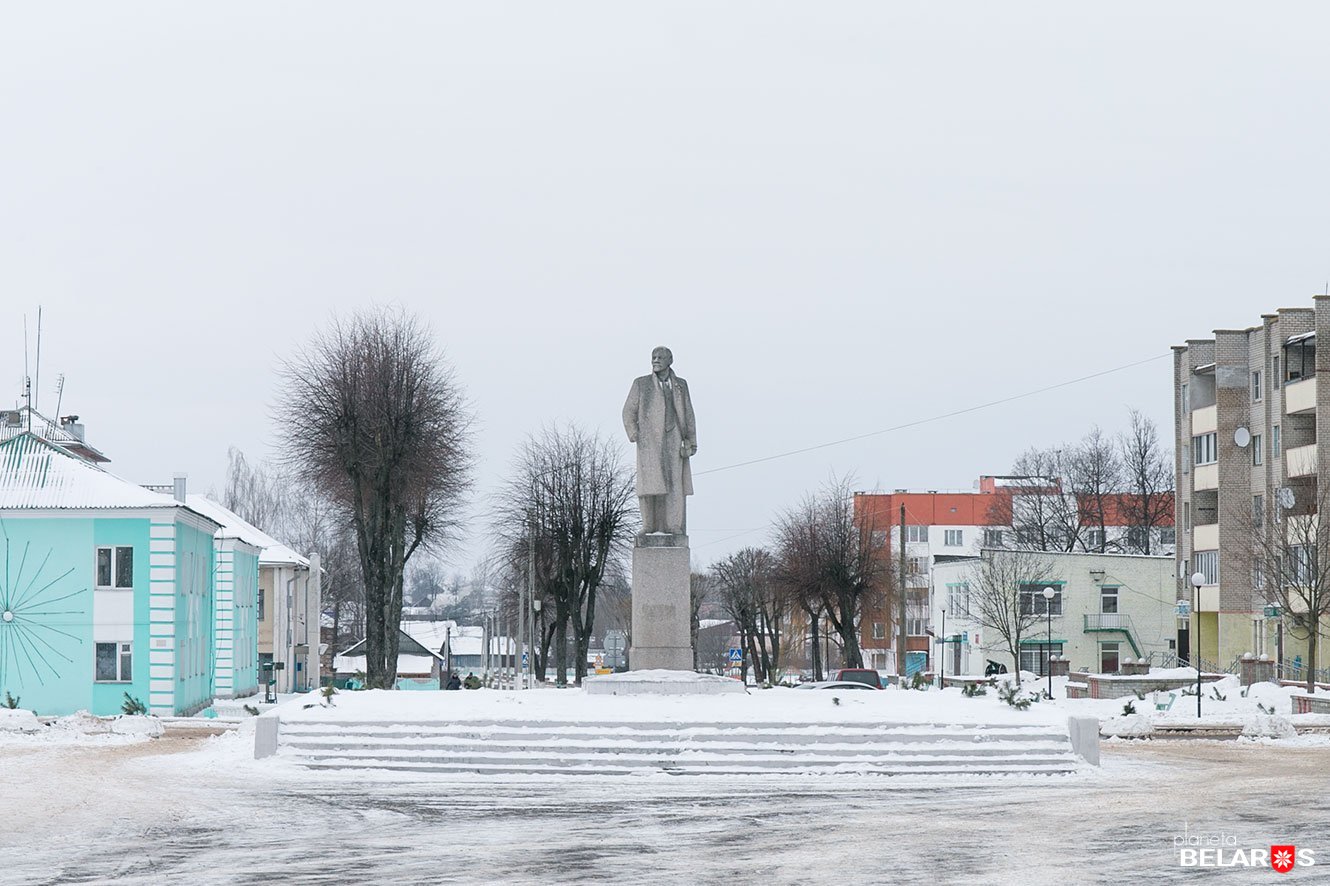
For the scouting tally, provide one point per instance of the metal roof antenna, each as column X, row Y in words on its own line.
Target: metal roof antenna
column 37, row 385
column 27, row 379
column 59, row 393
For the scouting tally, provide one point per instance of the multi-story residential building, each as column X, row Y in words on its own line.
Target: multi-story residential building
column 944, row 526
column 1248, row 410
column 108, row 587
column 1105, row 608
column 286, row 613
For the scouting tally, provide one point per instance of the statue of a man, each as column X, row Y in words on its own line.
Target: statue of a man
column 658, row 417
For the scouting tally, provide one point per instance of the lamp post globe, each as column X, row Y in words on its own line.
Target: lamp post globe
column 1048, row 611
column 1197, row 579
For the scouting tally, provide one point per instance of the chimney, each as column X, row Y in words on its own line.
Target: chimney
column 71, row 425
column 179, row 484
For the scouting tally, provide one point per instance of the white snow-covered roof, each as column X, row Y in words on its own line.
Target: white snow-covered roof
column 430, row 634
column 35, row 473
column 1294, row 339
column 25, row 419
column 406, row 664
column 273, row 552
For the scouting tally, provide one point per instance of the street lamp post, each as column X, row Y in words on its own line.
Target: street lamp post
column 535, row 611
column 1197, row 579
column 942, row 656
column 1048, row 661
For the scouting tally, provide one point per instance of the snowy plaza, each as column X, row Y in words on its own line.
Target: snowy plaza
column 193, row 807
column 590, row 442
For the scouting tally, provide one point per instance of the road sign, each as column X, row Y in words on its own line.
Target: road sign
column 736, row 655
column 524, row 655
column 1184, row 608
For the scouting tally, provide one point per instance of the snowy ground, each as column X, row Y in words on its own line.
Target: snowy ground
column 200, row 810
column 125, row 808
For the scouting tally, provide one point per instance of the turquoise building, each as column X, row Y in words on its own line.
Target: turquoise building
column 108, row 589
column 236, row 613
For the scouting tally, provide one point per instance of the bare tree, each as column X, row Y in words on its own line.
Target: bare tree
column 1005, row 590
column 569, row 506
column 1148, row 479
column 255, row 492
column 699, row 589
column 1289, row 560
column 1034, row 502
column 831, row 561
column 304, row 520
column 373, row 418
column 1093, row 474
column 758, row 605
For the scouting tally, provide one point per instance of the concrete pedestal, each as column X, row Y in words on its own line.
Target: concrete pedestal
column 662, row 623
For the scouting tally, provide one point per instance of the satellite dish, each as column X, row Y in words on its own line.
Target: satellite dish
column 1285, row 496
column 1242, row 437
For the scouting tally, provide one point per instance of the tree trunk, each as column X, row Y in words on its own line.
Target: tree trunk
column 816, row 654
column 1311, row 656
column 561, row 646
column 759, row 674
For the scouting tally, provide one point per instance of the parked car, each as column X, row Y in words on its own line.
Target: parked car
column 835, row 684
column 870, row 678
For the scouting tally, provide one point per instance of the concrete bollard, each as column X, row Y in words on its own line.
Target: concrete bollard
column 1085, row 738
column 266, row 730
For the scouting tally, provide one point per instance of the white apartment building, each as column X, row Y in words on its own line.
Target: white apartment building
column 1105, row 608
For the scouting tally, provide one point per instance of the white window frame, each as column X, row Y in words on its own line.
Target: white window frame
column 958, row 598
column 1256, row 385
column 992, row 538
column 1274, row 441
column 1036, row 655
column 879, row 631
column 1110, row 592
column 124, row 653
column 915, row 533
column 1207, row 563
column 1257, row 450
column 1204, row 450
column 114, row 554
column 953, row 538
column 1032, row 600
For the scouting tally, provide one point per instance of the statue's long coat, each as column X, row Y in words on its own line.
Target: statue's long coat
column 644, row 420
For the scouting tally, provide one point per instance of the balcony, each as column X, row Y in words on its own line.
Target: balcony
column 1205, row 477
column 1205, row 538
column 1300, row 396
column 1208, row 599
column 1301, row 460
column 1206, row 419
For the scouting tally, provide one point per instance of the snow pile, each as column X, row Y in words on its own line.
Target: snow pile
column 777, row 705
column 1128, row 726
column 148, row 727
column 663, row 682
column 82, row 728
column 19, row 720
column 1269, row 727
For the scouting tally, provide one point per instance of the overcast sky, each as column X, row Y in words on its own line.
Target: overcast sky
column 841, row 217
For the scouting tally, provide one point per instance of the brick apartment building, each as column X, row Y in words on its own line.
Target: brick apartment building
column 1247, row 420
column 941, row 527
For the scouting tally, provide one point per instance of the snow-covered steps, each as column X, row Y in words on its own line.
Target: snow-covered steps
column 549, row 746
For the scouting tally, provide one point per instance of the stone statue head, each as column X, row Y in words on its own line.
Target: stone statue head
column 661, row 359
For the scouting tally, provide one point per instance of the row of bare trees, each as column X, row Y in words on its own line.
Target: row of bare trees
column 565, row 522
column 825, row 565
column 1066, row 498
column 301, row 517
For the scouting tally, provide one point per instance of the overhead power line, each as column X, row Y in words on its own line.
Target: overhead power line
column 924, row 421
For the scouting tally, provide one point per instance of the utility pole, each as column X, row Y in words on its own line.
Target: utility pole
column 900, row 606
